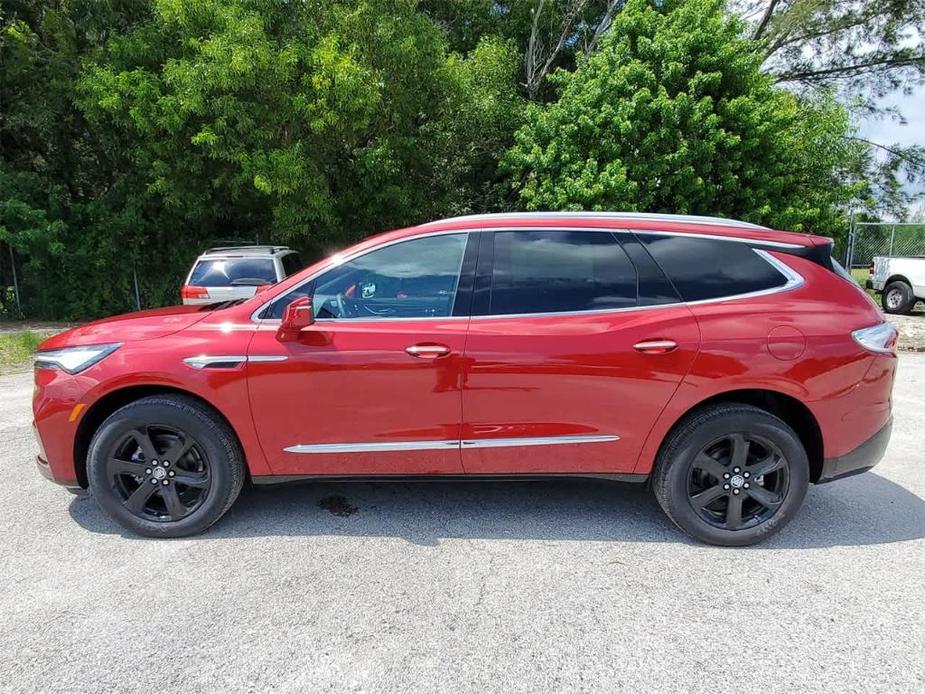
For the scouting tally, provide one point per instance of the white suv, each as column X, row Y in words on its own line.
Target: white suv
column 237, row 272
column 899, row 280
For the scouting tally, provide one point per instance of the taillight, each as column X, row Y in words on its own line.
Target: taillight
column 188, row 291
column 877, row 338
column 870, row 268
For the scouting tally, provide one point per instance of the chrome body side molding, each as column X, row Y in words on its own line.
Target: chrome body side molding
column 535, row 441
column 379, row 447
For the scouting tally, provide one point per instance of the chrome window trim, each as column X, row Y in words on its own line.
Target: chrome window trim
column 794, row 280
column 379, row 447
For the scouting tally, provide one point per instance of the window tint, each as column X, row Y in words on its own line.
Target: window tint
column 710, row 269
column 411, row 279
column 554, row 271
column 291, row 263
column 224, row 272
column 653, row 287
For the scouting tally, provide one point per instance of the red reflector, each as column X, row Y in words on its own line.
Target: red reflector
column 188, row 291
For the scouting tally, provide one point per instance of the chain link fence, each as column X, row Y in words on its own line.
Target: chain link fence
column 867, row 239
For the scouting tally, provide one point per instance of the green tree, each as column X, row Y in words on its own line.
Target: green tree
column 673, row 114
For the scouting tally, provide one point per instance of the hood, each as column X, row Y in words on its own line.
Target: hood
column 129, row 327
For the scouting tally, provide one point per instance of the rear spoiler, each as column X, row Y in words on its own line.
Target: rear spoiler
column 819, row 253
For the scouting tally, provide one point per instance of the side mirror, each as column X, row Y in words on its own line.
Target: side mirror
column 297, row 315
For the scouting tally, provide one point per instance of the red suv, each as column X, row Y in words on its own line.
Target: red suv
column 725, row 364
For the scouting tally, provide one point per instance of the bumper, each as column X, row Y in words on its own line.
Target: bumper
column 861, row 459
column 45, row 469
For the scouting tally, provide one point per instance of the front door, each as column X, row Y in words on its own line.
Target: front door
column 373, row 386
column 576, row 344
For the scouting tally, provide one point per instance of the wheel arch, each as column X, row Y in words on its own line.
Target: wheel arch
column 788, row 408
column 100, row 410
column 896, row 278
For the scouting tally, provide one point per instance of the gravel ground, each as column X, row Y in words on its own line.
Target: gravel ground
column 911, row 330
column 464, row 587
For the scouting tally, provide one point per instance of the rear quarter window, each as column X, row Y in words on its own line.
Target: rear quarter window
column 292, row 263
column 711, row 269
column 222, row 272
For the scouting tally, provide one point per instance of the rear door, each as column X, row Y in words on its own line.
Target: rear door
column 576, row 344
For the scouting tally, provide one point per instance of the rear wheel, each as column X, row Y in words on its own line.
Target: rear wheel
column 731, row 475
column 165, row 466
column 897, row 297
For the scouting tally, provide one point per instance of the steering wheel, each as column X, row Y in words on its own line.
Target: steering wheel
column 346, row 308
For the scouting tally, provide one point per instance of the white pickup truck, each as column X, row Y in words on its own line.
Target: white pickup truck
column 900, row 281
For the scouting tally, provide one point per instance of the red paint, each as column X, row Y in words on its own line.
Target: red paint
column 537, row 376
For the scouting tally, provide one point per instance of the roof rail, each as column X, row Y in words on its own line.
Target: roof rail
column 644, row 216
column 270, row 250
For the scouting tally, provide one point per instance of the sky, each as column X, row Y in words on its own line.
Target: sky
column 886, row 131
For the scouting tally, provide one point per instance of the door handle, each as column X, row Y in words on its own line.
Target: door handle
column 656, row 346
column 428, row 351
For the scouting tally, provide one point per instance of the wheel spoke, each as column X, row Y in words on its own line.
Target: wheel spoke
column 178, row 450
column 118, row 467
column 764, row 497
column 190, row 479
column 739, row 453
column 766, row 466
column 708, row 496
column 734, row 512
column 710, row 465
column 143, row 439
column 137, row 500
column 176, row 509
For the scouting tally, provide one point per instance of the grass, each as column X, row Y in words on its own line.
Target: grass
column 860, row 275
column 16, row 349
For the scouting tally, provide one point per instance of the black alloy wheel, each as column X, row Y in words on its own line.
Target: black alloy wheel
column 738, row 481
column 165, row 466
column 731, row 474
column 159, row 472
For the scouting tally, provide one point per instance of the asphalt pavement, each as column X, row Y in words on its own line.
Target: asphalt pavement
column 464, row 587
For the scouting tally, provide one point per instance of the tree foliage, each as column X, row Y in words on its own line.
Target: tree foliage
column 135, row 132
column 673, row 114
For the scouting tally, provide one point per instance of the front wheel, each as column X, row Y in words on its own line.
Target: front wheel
column 165, row 466
column 731, row 475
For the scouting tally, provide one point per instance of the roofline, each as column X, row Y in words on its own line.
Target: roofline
column 639, row 216
column 254, row 250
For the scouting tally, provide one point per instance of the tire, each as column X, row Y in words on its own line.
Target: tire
column 165, row 466
column 697, row 463
column 897, row 298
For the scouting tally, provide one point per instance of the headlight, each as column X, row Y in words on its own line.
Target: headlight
column 74, row 359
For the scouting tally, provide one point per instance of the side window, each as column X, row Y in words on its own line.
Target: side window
column 291, row 263
column 654, row 287
column 710, row 269
column 558, row 271
column 411, row 279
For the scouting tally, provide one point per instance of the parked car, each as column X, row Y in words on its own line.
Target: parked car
column 900, row 281
column 237, row 272
column 726, row 365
